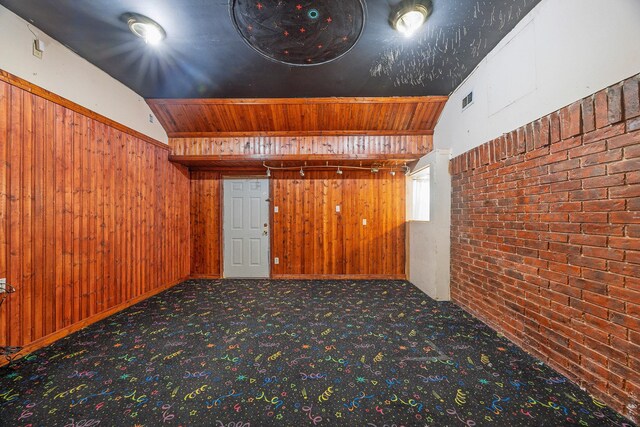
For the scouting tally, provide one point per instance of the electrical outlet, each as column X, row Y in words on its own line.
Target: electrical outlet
column 276, row 260
column 3, row 285
column 364, row 221
column 275, row 209
column 337, row 208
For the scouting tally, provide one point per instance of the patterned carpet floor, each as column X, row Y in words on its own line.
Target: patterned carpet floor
column 237, row 353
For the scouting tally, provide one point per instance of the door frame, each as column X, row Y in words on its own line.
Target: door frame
column 243, row 175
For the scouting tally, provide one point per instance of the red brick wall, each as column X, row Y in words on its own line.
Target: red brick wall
column 546, row 240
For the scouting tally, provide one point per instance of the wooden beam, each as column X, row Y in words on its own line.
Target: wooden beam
column 293, row 134
column 302, row 101
column 305, row 147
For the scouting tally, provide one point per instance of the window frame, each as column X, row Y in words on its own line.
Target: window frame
column 420, row 176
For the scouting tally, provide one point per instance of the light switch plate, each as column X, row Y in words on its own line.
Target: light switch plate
column 275, row 209
column 337, row 208
column 276, row 260
column 36, row 51
column 3, row 285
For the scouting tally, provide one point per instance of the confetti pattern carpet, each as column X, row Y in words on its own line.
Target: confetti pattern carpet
column 291, row 353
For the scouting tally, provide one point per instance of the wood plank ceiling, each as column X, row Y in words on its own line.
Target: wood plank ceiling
column 232, row 133
column 300, row 116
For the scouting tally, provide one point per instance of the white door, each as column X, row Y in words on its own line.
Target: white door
column 246, row 227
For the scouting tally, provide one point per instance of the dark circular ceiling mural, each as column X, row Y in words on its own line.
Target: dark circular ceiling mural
column 304, row 32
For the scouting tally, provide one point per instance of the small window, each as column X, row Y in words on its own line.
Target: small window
column 421, row 195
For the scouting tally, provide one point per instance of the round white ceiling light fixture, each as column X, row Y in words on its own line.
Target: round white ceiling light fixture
column 146, row 28
column 409, row 15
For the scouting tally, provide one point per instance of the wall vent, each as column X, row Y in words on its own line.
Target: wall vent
column 467, row 100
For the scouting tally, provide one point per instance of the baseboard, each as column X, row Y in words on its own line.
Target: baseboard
column 205, row 276
column 341, row 276
column 318, row 276
column 45, row 341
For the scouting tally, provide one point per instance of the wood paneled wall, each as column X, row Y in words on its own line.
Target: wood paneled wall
column 91, row 216
column 205, row 224
column 311, row 238
column 308, row 235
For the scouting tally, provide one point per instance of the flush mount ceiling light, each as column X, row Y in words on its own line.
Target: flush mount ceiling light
column 146, row 28
column 409, row 15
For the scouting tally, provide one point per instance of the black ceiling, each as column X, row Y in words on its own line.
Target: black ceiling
column 204, row 56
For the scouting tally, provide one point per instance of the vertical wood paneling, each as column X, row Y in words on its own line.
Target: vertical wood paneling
column 311, row 238
column 39, row 298
column 77, row 161
column 14, row 141
column 205, row 223
column 353, row 146
column 90, row 216
column 67, row 174
column 99, row 218
column 307, row 230
column 27, row 218
column 49, row 186
column 308, row 235
column 4, row 192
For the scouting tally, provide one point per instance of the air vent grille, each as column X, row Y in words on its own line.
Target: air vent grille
column 467, row 100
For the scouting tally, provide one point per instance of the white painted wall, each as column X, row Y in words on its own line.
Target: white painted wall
column 559, row 53
column 66, row 74
column 429, row 242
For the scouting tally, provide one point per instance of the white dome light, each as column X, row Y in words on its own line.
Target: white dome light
column 408, row 23
column 410, row 16
column 147, row 29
